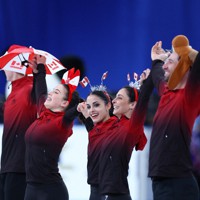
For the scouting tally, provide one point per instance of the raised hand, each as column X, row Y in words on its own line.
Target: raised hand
column 157, row 52
column 83, row 109
column 33, row 64
column 40, row 59
column 144, row 75
column 37, row 59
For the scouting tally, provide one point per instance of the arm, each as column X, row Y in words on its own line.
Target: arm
column 39, row 81
column 158, row 56
column 189, row 60
column 158, row 76
column 81, row 113
column 1, row 108
column 192, row 88
column 88, row 123
column 84, row 117
column 139, row 114
column 33, row 95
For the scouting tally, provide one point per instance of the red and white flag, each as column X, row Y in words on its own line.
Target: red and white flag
column 84, row 81
column 104, row 75
column 135, row 76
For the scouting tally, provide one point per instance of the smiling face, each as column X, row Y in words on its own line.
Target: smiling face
column 170, row 65
column 122, row 104
column 97, row 108
column 56, row 99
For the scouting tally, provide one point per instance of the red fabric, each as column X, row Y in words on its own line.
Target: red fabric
column 172, row 127
column 45, row 139
column 19, row 113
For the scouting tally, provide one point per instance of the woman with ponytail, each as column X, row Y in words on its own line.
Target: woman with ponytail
column 46, row 137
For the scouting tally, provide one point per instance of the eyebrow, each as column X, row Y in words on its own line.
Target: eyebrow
column 119, row 95
column 57, row 90
column 171, row 60
column 92, row 103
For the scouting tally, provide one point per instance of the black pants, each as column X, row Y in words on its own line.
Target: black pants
column 94, row 193
column 55, row 191
column 116, row 197
column 175, row 188
column 12, row 186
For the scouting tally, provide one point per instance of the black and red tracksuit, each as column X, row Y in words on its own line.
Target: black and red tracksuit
column 19, row 112
column 96, row 137
column 115, row 145
column 173, row 123
column 45, row 138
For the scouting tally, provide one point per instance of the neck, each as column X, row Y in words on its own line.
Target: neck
column 128, row 114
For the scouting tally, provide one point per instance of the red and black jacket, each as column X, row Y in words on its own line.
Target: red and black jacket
column 173, row 123
column 45, row 138
column 117, row 146
column 19, row 112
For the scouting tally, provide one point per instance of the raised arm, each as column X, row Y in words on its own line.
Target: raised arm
column 139, row 114
column 158, row 56
column 192, row 88
column 84, row 116
column 79, row 110
column 189, row 61
column 39, row 81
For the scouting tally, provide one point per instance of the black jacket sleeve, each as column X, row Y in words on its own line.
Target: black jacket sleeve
column 158, row 75
column 72, row 113
column 139, row 114
column 88, row 123
column 39, row 83
column 192, row 88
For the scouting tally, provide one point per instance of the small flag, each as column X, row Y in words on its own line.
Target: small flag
column 135, row 76
column 104, row 75
column 128, row 77
column 84, row 81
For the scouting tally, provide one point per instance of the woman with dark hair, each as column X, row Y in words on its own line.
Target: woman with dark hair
column 46, row 137
column 96, row 124
column 125, row 101
column 112, row 139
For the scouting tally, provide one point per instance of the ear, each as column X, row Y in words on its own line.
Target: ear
column 132, row 105
column 108, row 106
column 64, row 104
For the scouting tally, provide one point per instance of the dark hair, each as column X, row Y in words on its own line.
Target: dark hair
column 105, row 97
column 75, row 99
column 66, row 97
column 132, row 93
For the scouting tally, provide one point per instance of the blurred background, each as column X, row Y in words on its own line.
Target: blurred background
column 97, row 36
column 105, row 35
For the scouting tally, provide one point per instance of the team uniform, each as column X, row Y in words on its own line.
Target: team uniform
column 19, row 112
column 115, row 145
column 170, row 165
column 45, row 139
column 96, row 136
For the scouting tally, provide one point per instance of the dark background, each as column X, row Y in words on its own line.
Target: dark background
column 107, row 35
